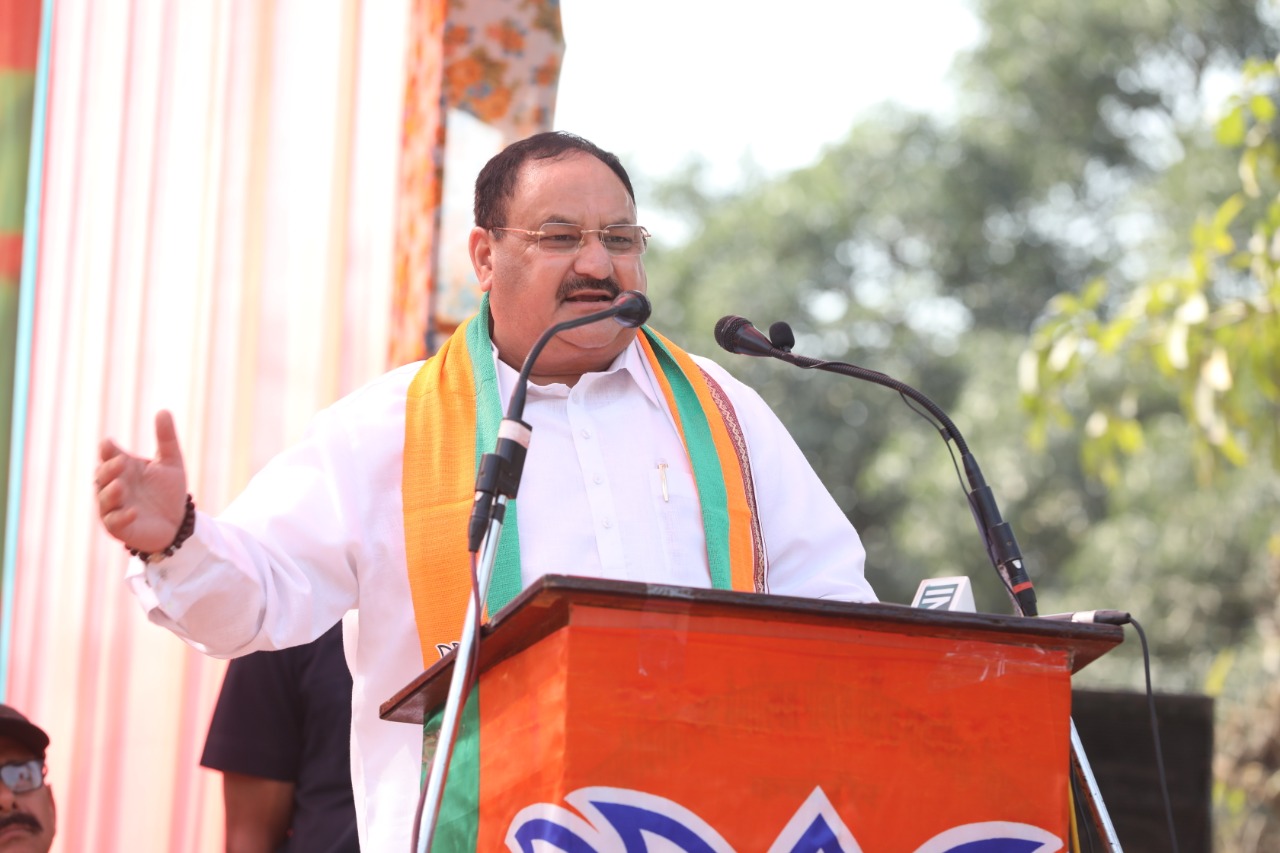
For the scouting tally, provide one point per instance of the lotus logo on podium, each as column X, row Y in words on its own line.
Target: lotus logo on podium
column 619, row 820
column 648, row 720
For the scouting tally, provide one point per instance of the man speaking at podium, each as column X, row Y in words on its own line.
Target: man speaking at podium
column 369, row 511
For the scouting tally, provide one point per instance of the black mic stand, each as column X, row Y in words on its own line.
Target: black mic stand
column 497, row 482
column 738, row 335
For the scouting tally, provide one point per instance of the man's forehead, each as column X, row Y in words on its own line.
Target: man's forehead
column 542, row 182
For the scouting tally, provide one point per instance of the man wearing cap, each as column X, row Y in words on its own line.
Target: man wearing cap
column 27, row 816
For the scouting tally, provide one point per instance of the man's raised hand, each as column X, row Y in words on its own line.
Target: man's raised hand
column 142, row 501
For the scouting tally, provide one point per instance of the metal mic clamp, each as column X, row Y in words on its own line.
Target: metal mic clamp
column 499, row 474
column 1003, row 549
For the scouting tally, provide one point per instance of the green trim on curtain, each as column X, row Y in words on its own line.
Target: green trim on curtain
column 22, row 346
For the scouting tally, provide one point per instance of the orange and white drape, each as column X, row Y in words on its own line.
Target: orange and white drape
column 215, row 236
column 237, row 220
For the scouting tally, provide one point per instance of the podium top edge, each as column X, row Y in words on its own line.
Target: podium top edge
column 544, row 606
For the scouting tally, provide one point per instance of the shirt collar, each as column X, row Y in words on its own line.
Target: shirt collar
column 631, row 360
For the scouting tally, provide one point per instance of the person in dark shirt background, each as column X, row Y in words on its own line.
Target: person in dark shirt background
column 281, row 736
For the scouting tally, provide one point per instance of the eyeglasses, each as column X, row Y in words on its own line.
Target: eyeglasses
column 561, row 238
column 23, row 776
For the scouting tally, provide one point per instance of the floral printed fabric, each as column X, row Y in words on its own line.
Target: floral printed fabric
column 421, row 160
column 502, row 62
column 499, row 61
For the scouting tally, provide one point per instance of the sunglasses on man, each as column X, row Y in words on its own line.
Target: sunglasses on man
column 23, row 776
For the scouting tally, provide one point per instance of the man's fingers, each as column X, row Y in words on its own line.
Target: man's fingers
column 108, row 449
column 140, row 500
column 167, row 448
column 117, row 521
column 109, row 470
column 110, row 497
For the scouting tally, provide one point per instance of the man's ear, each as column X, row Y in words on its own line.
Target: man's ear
column 480, row 247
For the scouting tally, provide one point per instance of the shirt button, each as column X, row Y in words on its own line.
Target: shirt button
column 607, row 524
column 597, row 479
column 586, row 433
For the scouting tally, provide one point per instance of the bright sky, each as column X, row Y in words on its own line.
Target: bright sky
column 725, row 79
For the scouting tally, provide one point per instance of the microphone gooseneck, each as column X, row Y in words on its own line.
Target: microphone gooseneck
column 738, row 335
column 630, row 308
column 499, row 472
column 497, row 481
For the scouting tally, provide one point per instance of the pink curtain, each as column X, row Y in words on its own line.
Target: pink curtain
column 216, row 237
column 239, row 220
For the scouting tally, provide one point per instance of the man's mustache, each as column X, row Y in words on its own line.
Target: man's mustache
column 573, row 285
column 21, row 819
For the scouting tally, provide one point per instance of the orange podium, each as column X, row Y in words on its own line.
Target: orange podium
column 619, row 716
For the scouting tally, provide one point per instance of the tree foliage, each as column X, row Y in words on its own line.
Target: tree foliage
column 1212, row 328
column 1208, row 336
column 927, row 248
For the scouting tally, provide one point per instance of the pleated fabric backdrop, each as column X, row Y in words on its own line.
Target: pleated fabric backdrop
column 216, row 235
column 235, row 216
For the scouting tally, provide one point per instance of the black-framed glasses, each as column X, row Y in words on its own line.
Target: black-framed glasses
column 562, row 238
column 23, row 776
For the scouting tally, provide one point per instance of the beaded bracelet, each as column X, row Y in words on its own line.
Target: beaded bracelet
column 185, row 530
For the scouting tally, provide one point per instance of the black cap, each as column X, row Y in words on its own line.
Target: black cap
column 14, row 725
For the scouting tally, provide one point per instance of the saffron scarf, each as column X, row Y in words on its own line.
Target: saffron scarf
column 453, row 411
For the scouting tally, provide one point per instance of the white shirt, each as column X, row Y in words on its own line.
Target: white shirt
column 607, row 491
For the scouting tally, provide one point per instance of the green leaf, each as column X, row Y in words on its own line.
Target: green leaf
column 1128, row 436
column 1249, row 172
column 1263, row 108
column 1231, row 449
column 1114, row 335
column 1232, row 128
column 1216, row 678
column 1227, row 213
column 1094, row 292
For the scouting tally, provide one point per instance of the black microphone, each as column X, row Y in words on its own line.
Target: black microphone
column 500, row 471
column 632, row 308
column 737, row 335
column 781, row 336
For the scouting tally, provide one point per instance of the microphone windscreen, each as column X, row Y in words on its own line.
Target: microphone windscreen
column 727, row 331
column 781, row 336
column 633, row 307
